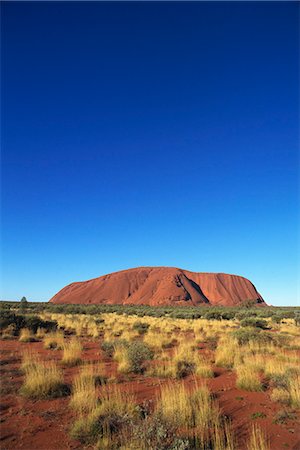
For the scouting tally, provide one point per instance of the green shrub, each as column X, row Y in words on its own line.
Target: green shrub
column 254, row 322
column 34, row 322
column 31, row 322
column 140, row 327
column 244, row 336
column 108, row 348
column 156, row 433
column 137, row 354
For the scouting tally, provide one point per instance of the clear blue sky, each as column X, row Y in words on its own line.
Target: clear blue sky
column 139, row 134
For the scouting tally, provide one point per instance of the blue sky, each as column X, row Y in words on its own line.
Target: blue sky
column 139, row 134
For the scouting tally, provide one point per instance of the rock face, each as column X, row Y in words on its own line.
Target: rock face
column 160, row 286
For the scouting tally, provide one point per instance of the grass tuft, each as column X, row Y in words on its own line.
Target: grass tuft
column 43, row 380
column 72, row 351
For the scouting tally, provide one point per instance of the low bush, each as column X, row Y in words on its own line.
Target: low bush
column 20, row 321
column 156, row 433
column 34, row 322
column 140, row 327
column 108, row 347
column 16, row 322
column 254, row 322
column 132, row 358
column 244, row 336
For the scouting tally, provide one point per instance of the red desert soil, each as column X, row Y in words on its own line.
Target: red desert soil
column 161, row 286
column 44, row 424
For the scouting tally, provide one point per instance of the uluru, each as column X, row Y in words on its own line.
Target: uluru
column 161, row 286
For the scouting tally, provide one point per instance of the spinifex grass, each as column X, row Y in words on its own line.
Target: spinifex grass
column 247, row 378
column 194, row 411
column 258, row 440
column 54, row 340
column 84, row 396
column 226, row 352
column 72, row 351
column 43, row 380
column 114, row 411
column 29, row 359
column 294, row 391
column 26, row 335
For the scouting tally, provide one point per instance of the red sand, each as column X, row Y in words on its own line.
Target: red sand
column 160, row 286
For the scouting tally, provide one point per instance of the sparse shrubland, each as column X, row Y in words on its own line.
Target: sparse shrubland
column 257, row 348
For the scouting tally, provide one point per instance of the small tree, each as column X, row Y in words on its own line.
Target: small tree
column 23, row 305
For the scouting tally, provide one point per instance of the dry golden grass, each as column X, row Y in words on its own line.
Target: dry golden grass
column 84, row 395
column 8, row 332
column 54, row 340
column 280, row 395
column 121, row 357
column 72, row 351
column 258, row 440
column 223, row 437
column 227, row 352
column 26, row 335
column 29, row 359
column 247, row 378
column 157, row 341
column 114, row 408
column 194, row 411
column 294, row 391
column 40, row 333
column 42, row 380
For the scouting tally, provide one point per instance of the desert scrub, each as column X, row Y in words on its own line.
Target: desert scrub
column 257, row 440
column 247, row 378
column 43, row 380
column 140, row 327
column 254, row 322
column 26, row 335
column 155, row 433
column 133, row 357
column 114, row 412
column 108, row 347
column 8, row 332
column 84, row 396
column 72, row 351
column 246, row 335
column 54, row 340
